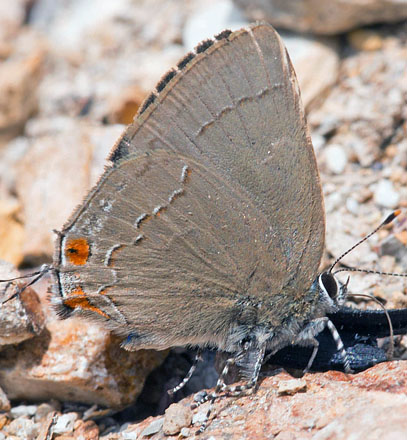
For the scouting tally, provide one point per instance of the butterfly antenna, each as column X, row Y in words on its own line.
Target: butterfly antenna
column 385, row 222
column 390, row 351
column 35, row 277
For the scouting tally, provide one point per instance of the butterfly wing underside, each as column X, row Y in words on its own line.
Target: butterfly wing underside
column 213, row 196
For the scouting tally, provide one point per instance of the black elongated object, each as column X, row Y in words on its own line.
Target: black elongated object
column 359, row 330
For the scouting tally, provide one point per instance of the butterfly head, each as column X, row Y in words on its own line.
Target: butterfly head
column 332, row 292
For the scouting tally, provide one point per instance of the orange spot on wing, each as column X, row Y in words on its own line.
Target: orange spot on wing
column 77, row 251
column 79, row 300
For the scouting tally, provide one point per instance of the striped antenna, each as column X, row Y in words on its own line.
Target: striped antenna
column 385, row 222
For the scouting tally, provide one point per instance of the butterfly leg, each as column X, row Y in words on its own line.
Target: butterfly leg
column 237, row 390
column 307, row 338
column 220, row 386
column 198, row 358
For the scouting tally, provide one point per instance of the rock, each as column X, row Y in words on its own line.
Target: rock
column 126, row 105
column 379, row 391
column 383, row 421
column 11, row 231
column 199, row 416
column 316, row 63
column 64, row 423
column 395, row 245
column 86, row 430
column 385, row 195
column 4, row 419
column 352, row 205
column 53, row 180
column 362, row 39
column 44, row 409
column 185, row 432
column 83, row 78
column 4, row 402
column 359, row 112
column 20, row 76
column 154, row 427
column 45, row 431
column 291, row 387
column 336, row 158
column 23, row 411
column 75, row 361
column 21, row 317
column 209, row 20
column 318, row 17
column 12, row 17
column 286, row 435
column 176, row 417
column 23, row 428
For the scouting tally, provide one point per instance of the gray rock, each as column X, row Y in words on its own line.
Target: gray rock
column 154, row 427
column 65, row 423
column 324, row 17
column 23, row 411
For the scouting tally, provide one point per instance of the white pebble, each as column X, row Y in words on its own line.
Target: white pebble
column 23, row 410
column 336, row 159
column 65, row 423
column 352, row 205
column 210, row 20
column 385, row 195
column 199, row 417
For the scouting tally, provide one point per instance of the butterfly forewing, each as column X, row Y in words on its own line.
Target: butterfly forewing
column 236, row 108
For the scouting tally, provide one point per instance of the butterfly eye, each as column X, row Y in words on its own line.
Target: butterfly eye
column 328, row 284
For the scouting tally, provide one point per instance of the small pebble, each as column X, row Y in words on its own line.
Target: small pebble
column 210, row 20
column 23, row 411
column 3, row 421
column 23, row 428
column 129, row 435
column 154, row 427
column 362, row 39
column 185, row 432
column 336, row 159
column 200, row 395
column 4, row 402
column 88, row 430
column 333, row 202
column 385, row 195
column 291, row 387
column 199, row 417
column 65, row 423
column 352, row 205
column 176, row 417
column 43, row 410
column 318, row 141
column 286, row 435
column 393, row 246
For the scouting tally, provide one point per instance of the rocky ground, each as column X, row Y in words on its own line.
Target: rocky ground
column 72, row 74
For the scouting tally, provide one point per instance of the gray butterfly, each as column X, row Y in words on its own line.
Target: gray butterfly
column 208, row 227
